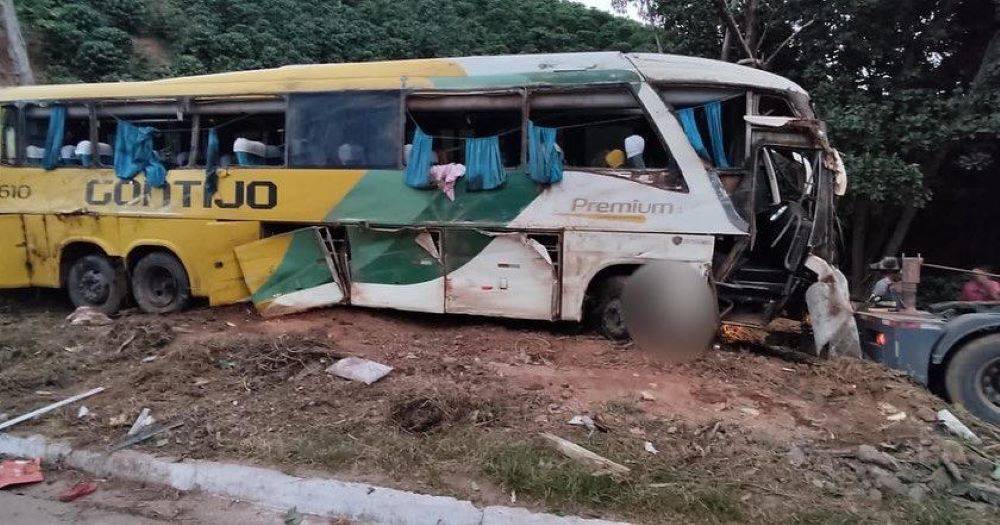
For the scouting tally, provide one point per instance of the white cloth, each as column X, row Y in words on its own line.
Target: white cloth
column 635, row 145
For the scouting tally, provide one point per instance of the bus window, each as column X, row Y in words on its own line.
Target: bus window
column 774, row 106
column 601, row 129
column 345, row 130
column 8, row 135
column 251, row 133
column 75, row 129
column 451, row 119
column 172, row 140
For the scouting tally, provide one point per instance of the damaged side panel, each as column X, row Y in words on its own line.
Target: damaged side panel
column 14, row 270
column 396, row 268
column 290, row 272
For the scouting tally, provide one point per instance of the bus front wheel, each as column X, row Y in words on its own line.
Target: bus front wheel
column 973, row 378
column 97, row 282
column 606, row 313
column 160, row 284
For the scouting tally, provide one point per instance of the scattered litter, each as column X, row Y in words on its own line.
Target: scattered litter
column 4, row 417
column 88, row 316
column 149, row 359
column 870, row 454
column 357, row 369
column 581, row 455
column 144, row 420
column 583, row 421
column 957, row 427
column 49, row 408
column 753, row 412
column 83, row 412
column 796, row 456
column 646, row 396
column 891, row 413
column 118, row 421
column 899, row 416
column 230, row 324
column 650, row 448
column 20, row 472
column 78, row 491
column 146, row 434
column 293, row 517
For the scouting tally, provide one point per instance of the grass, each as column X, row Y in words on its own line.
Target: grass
column 535, row 471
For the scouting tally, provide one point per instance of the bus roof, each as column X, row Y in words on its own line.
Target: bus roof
column 438, row 73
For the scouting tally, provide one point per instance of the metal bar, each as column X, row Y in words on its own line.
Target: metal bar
column 960, row 270
column 46, row 409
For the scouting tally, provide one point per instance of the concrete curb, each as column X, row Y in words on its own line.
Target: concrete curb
column 270, row 488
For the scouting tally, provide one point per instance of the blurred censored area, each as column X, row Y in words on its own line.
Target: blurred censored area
column 670, row 310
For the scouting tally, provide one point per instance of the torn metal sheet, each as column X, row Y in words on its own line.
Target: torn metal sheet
column 291, row 272
column 834, row 328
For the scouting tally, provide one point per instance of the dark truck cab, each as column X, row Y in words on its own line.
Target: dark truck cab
column 953, row 348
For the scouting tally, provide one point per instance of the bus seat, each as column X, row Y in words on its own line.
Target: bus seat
column 635, row 146
column 254, row 153
column 106, row 152
column 351, row 154
column 34, row 155
column 67, row 156
column 10, row 142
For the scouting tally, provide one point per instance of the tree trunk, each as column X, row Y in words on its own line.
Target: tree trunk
column 859, row 232
column 899, row 232
column 16, row 49
column 750, row 24
column 727, row 44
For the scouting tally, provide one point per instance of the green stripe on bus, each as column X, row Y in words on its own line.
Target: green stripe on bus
column 303, row 266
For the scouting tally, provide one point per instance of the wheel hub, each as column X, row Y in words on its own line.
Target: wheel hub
column 989, row 382
column 162, row 287
column 93, row 286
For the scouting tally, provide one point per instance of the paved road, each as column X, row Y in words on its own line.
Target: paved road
column 26, row 510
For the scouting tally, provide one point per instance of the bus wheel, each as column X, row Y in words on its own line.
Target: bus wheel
column 607, row 311
column 97, row 282
column 160, row 284
column 973, row 378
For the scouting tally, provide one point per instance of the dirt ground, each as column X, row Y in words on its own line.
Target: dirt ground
column 741, row 435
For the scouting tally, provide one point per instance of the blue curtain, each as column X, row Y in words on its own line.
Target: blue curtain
column 212, row 162
column 418, row 165
column 545, row 159
column 690, row 126
column 713, row 111
column 484, row 164
column 54, row 137
column 134, row 153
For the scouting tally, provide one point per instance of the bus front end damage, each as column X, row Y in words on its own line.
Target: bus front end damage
column 788, row 262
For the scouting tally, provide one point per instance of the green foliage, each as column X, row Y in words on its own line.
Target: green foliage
column 86, row 40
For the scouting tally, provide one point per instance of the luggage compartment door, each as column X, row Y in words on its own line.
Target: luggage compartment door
column 397, row 268
column 291, row 272
column 504, row 274
column 14, row 271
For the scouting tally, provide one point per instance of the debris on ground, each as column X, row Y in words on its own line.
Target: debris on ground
column 49, row 408
column 83, row 412
column 88, row 316
column 870, row 454
column 20, row 472
column 358, row 369
column 583, row 421
column 143, row 435
column 955, row 426
column 650, row 447
column 78, row 491
column 600, row 464
column 143, row 420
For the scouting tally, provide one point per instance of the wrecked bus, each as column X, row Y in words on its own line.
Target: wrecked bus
column 518, row 186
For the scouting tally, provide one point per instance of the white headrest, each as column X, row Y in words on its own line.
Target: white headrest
column 67, row 152
column 34, row 152
column 10, row 142
column 84, row 148
column 105, row 149
column 350, row 153
column 635, row 145
column 253, row 147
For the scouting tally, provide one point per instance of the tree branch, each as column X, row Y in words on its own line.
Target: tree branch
column 727, row 17
column 786, row 42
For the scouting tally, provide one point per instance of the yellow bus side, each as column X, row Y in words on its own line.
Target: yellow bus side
column 205, row 248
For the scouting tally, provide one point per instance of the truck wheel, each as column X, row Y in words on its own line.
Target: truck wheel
column 607, row 312
column 973, row 378
column 97, row 282
column 160, row 284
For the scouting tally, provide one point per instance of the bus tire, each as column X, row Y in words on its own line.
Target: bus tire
column 973, row 377
column 97, row 282
column 160, row 284
column 606, row 314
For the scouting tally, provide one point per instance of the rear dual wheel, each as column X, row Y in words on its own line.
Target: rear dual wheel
column 159, row 283
column 973, row 377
